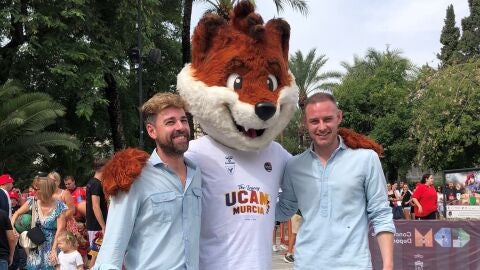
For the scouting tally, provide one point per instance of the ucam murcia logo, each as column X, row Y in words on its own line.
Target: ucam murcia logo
column 248, row 200
column 230, row 165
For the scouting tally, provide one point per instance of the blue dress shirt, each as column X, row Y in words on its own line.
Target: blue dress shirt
column 337, row 202
column 156, row 224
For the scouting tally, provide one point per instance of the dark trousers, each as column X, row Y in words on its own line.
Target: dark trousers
column 432, row 215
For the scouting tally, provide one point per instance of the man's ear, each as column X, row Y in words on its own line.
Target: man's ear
column 152, row 132
column 340, row 116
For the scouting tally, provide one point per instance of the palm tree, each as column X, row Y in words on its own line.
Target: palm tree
column 307, row 74
column 23, row 119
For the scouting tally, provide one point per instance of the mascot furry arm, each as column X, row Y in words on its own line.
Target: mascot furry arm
column 238, row 87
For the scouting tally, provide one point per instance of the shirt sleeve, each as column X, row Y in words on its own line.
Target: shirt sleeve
column 418, row 192
column 122, row 213
column 6, row 224
column 287, row 204
column 78, row 259
column 379, row 212
column 96, row 188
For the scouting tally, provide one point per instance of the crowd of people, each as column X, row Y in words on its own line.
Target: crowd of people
column 70, row 220
column 151, row 221
column 427, row 201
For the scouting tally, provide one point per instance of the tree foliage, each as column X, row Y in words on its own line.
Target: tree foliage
column 77, row 50
column 447, row 117
column 24, row 137
column 449, row 38
column 469, row 45
column 373, row 96
column 308, row 77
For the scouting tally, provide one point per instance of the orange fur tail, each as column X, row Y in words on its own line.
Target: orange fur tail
column 120, row 172
column 356, row 140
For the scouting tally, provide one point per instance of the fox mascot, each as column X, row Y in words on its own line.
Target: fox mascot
column 239, row 88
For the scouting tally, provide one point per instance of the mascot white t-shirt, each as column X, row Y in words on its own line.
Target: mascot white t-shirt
column 239, row 194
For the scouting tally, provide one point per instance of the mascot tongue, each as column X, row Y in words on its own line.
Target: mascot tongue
column 252, row 133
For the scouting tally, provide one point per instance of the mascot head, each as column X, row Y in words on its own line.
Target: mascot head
column 238, row 85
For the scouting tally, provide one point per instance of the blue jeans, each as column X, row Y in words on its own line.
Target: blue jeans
column 3, row 264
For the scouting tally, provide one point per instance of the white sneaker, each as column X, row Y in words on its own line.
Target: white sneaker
column 283, row 247
column 275, row 248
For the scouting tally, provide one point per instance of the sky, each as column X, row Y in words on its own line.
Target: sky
column 341, row 29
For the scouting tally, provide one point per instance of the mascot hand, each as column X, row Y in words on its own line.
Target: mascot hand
column 121, row 171
column 355, row 140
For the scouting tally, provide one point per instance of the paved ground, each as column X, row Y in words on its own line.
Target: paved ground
column 278, row 263
column 277, row 259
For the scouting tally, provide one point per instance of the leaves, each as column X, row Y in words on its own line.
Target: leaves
column 23, row 120
column 447, row 123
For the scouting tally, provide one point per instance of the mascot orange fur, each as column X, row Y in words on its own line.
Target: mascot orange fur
column 239, row 88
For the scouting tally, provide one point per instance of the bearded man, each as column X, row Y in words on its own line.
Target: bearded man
column 156, row 224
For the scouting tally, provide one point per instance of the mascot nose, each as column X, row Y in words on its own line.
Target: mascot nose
column 265, row 110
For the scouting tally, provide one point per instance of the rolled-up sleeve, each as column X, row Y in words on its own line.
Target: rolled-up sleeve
column 378, row 210
column 287, row 204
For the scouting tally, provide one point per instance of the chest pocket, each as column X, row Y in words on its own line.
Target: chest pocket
column 163, row 205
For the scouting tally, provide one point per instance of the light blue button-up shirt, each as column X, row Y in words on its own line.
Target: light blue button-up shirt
column 155, row 225
column 337, row 202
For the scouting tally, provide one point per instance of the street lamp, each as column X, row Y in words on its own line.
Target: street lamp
column 135, row 55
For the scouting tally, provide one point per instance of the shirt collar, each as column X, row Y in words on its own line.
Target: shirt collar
column 156, row 160
column 341, row 146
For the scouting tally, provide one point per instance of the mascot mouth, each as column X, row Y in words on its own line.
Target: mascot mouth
column 251, row 133
column 247, row 132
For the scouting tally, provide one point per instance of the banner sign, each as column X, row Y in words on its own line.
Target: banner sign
column 432, row 244
column 462, row 193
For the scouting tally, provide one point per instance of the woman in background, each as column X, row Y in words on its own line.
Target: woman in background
column 425, row 199
column 50, row 218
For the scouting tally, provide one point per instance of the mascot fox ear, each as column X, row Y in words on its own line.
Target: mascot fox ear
column 204, row 34
column 282, row 28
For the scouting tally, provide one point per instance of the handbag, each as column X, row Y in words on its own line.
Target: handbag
column 34, row 236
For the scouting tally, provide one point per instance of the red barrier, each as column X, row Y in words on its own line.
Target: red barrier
column 435, row 244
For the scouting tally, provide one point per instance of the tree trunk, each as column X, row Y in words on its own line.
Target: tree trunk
column 114, row 112
column 187, row 16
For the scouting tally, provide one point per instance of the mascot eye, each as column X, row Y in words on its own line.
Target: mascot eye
column 234, row 81
column 272, row 82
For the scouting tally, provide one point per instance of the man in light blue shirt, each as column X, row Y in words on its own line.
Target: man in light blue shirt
column 156, row 224
column 339, row 192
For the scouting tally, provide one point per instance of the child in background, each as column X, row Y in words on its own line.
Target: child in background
column 69, row 258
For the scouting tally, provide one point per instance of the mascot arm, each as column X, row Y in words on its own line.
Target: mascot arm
column 120, row 172
column 355, row 141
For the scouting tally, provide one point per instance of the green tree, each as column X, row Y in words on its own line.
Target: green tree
column 77, row 52
column 447, row 117
column 449, row 38
column 24, row 138
column 374, row 98
column 469, row 44
column 308, row 77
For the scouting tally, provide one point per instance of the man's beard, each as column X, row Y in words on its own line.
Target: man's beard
column 172, row 149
